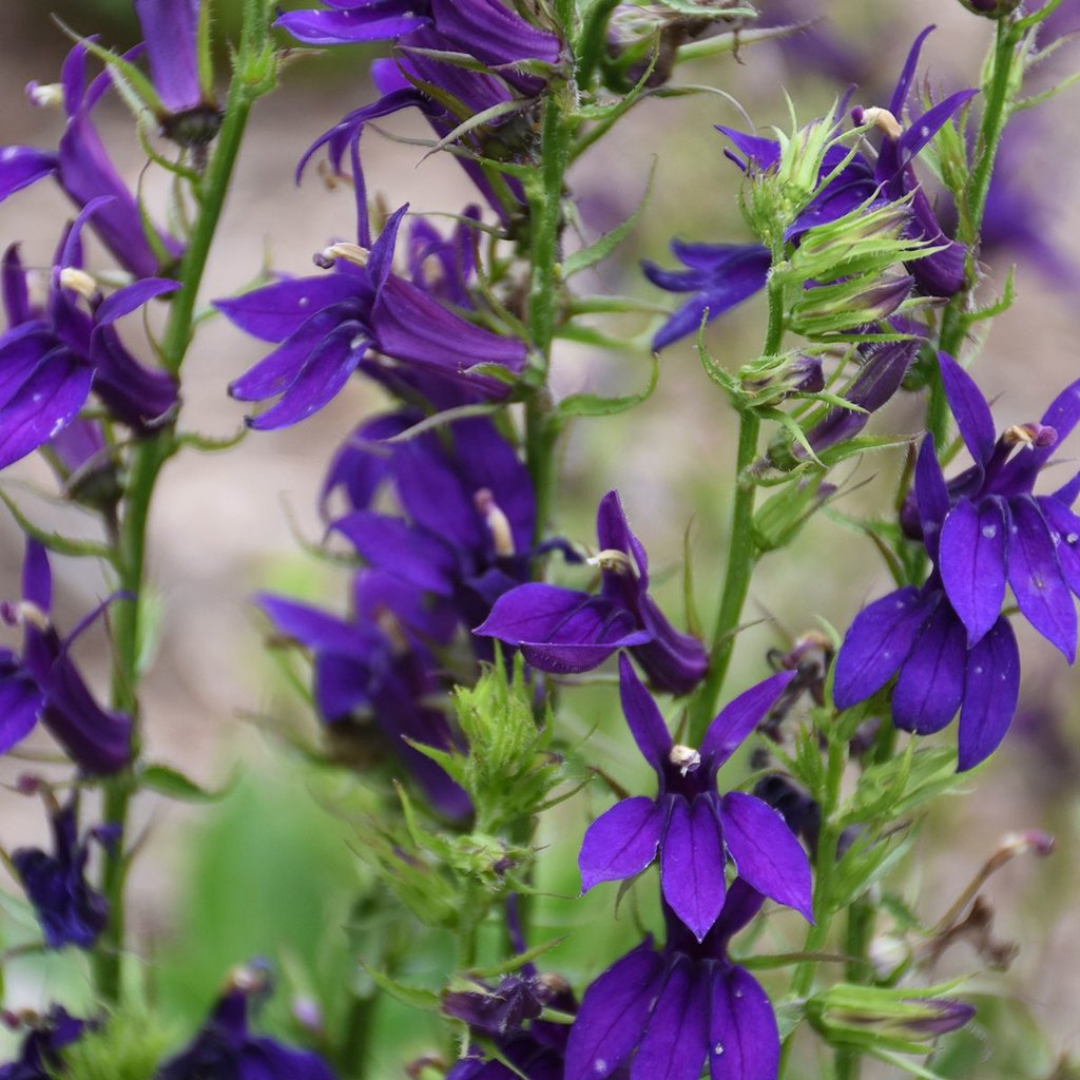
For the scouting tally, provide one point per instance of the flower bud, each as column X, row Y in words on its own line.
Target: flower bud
column 991, row 9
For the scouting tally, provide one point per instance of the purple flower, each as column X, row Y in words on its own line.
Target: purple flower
column 225, row 1048
column 52, row 358
column 44, row 683
column 327, row 326
column 692, row 828
column 378, row 667
column 564, row 631
column 69, row 909
column 674, row 1010
column 83, row 170
column 39, row 1057
column 984, row 529
column 720, row 276
column 470, row 508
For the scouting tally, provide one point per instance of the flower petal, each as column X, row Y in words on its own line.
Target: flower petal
column 968, row 405
column 692, row 863
column 674, row 1044
column 646, row 722
column 277, row 311
column 932, row 496
column 766, row 852
column 21, row 166
column 931, row 685
column 877, row 643
column 621, row 842
column 20, row 705
column 739, row 718
column 1036, row 580
column 991, row 694
column 613, row 1014
column 972, row 560
column 1065, row 531
column 744, row 1043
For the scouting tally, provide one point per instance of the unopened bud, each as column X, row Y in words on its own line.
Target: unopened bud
column 941, row 1017
column 991, row 9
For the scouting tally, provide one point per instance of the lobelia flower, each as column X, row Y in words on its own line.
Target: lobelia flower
column 983, row 530
column 378, row 664
column 674, row 1010
column 470, row 507
column 39, row 1057
column 225, row 1048
column 52, row 358
column 44, row 683
column 721, row 276
column 692, row 828
column 69, row 910
column 327, row 326
column 446, row 92
column 564, row 631
column 82, row 168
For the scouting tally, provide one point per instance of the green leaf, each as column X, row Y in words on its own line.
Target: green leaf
column 602, row 248
column 173, row 784
column 414, row 996
column 582, row 405
column 54, row 541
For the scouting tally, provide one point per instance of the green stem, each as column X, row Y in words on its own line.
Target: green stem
column 147, row 458
column 541, row 423
column 742, row 551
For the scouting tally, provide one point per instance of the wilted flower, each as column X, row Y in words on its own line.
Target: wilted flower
column 692, row 828
column 676, row 1010
column 564, row 631
column 44, row 684
column 69, row 910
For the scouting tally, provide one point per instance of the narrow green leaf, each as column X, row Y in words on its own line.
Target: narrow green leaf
column 173, row 784
column 602, row 248
column 54, row 541
column 582, row 405
column 414, row 996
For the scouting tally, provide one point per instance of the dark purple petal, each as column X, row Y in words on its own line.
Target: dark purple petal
column 903, row 84
column 21, row 166
column 392, row 545
column 314, row 27
column 673, row 661
column 931, row 685
column 133, row 394
column 128, row 299
column 613, row 1015
column 744, row 1043
column 309, row 626
column 325, row 372
column 766, row 852
column 932, row 496
column 621, row 842
column 433, row 495
column 692, row 863
column 968, row 405
column 20, row 704
column 762, row 154
column 646, row 722
column 739, row 718
column 37, row 576
column 98, row 741
column 674, row 1045
column 362, row 463
column 560, row 630
column 21, row 350
column 614, row 533
column 972, row 561
column 170, row 29
column 741, row 904
column 990, row 696
column 1036, row 579
column 1065, row 531
column 492, row 33
column 1062, row 415
column 877, row 643
column 275, row 312
column 916, row 137
column 43, row 406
